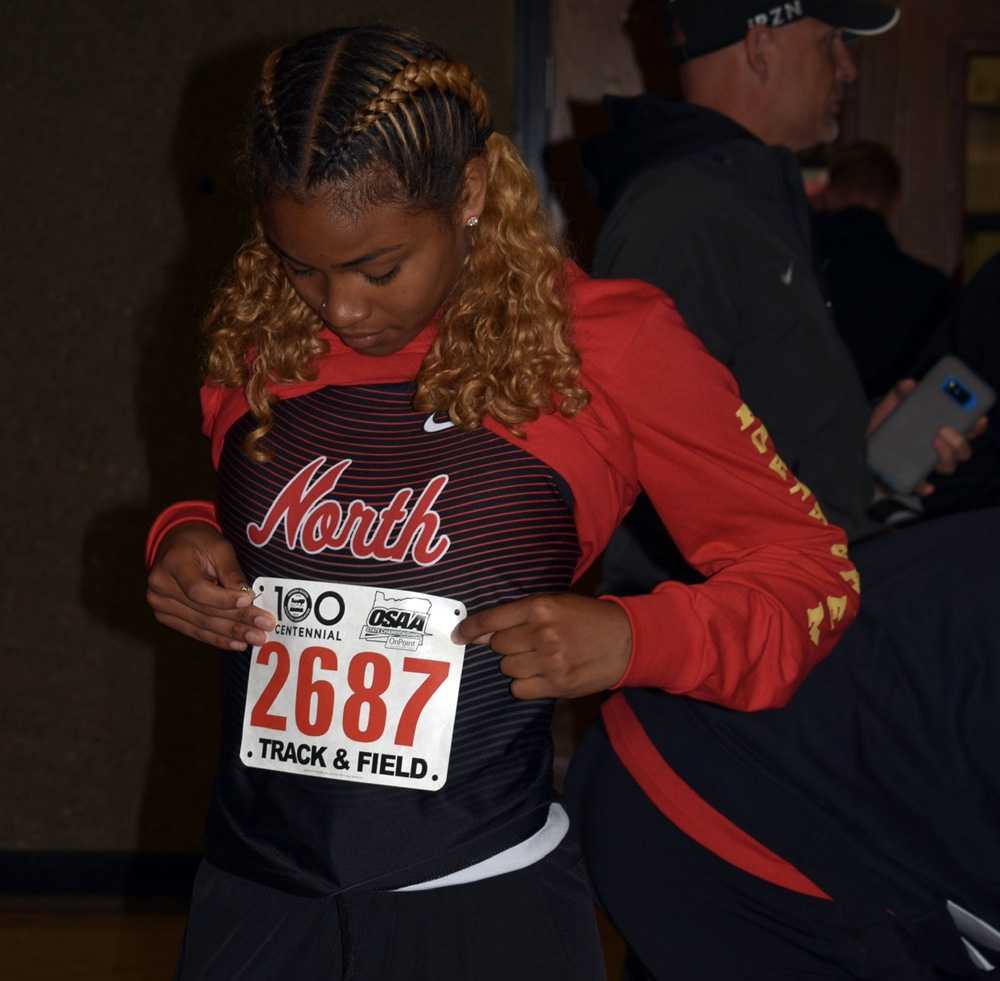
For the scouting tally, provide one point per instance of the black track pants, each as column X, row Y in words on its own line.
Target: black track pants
column 536, row 924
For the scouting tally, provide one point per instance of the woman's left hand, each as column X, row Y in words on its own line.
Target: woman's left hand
column 554, row 646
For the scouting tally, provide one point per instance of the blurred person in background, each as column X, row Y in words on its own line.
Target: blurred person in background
column 886, row 303
column 973, row 334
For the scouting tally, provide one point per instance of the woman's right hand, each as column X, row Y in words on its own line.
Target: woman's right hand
column 197, row 588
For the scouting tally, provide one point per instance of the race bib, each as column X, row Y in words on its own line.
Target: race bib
column 354, row 683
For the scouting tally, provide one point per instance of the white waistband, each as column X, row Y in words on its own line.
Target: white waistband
column 545, row 840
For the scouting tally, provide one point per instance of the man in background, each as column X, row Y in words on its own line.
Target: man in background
column 708, row 204
column 887, row 305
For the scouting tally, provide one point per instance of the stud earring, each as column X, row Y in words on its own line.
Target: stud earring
column 472, row 221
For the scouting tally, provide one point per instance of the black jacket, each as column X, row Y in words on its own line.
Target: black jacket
column 974, row 335
column 880, row 781
column 720, row 222
column 887, row 305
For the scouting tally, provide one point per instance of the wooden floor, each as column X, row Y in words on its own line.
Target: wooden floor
column 73, row 943
column 97, row 946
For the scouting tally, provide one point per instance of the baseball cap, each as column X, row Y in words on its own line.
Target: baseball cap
column 707, row 25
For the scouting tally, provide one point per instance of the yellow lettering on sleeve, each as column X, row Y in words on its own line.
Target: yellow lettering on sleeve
column 837, row 605
column 779, row 467
column 745, row 416
column 759, row 438
column 853, row 579
column 839, row 550
column 801, row 488
column 817, row 513
column 814, row 619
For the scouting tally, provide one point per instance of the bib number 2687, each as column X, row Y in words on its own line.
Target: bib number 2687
column 369, row 676
column 339, row 708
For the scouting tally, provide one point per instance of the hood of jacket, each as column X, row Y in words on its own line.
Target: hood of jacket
column 647, row 130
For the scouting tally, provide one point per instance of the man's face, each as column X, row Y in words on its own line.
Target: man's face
column 811, row 69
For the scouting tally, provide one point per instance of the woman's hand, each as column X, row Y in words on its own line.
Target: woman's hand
column 197, row 588
column 554, row 646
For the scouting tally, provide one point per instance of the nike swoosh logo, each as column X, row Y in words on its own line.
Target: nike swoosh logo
column 786, row 276
column 431, row 425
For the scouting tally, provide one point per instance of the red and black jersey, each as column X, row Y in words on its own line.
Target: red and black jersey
column 482, row 521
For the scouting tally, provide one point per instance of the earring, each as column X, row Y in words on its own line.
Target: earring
column 472, row 221
column 322, row 310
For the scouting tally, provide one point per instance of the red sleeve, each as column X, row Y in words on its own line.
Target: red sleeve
column 178, row 514
column 781, row 588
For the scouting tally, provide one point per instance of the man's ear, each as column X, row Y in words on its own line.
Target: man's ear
column 759, row 50
column 474, row 184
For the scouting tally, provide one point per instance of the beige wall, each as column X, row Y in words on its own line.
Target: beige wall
column 593, row 57
column 118, row 212
column 909, row 96
column 600, row 47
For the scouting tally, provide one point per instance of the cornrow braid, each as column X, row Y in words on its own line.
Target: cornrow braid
column 265, row 94
column 444, row 76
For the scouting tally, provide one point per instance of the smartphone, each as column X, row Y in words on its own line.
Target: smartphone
column 901, row 452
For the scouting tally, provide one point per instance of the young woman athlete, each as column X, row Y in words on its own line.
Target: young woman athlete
column 426, row 424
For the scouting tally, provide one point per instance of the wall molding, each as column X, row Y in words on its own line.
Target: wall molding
column 126, row 874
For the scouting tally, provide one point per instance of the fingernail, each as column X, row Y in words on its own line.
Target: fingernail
column 256, row 637
column 243, row 601
column 264, row 622
column 237, row 645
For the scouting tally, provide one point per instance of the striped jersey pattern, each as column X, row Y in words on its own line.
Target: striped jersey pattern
column 505, row 531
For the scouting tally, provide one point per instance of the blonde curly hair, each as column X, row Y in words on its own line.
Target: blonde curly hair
column 382, row 116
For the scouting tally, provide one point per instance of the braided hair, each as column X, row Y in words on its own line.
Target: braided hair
column 370, row 116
